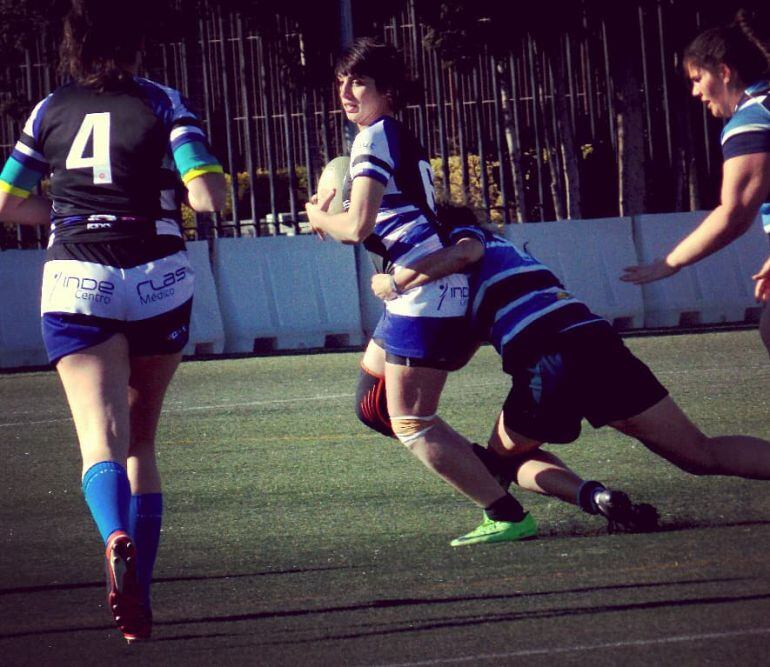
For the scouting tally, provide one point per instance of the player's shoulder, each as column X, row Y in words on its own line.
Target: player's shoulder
column 753, row 116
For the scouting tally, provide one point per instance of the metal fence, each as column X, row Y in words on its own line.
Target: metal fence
column 496, row 131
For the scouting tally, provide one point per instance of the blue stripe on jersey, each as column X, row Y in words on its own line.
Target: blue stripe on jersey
column 511, row 290
column 480, row 292
column 518, row 315
column 377, row 162
column 32, row 126
column 390, row 224
column 28, row 161
column 748, row 131
column 406, row 244
column 184, row 134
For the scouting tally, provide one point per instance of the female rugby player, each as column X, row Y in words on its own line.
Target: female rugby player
column 117, row 285
column 729, row 68
column 566, row 364
column 390, row 207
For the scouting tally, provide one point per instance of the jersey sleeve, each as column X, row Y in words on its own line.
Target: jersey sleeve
column 187, row 141
column 748, row 131
column 371, row 155
column 25, row 166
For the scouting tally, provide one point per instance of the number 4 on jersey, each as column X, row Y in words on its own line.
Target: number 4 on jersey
column 95, row 126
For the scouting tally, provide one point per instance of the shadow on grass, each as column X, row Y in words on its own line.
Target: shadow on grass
column 380, row 629
column 435, row 623
column 474, row 619
column 49, row 588
column 671, row 526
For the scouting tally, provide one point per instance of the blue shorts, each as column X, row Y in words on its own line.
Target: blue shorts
column 141, row 288
column 586, row 373
column 433, row 342
column 67, row 333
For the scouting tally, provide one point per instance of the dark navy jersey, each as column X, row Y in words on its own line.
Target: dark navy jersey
column 109, row 152
column 517, row 303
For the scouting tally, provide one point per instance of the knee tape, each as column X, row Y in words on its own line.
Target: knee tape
column 410, row 427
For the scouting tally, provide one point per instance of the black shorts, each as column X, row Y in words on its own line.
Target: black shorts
column 587, row 372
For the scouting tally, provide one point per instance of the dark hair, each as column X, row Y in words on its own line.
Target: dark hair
column 738, row 45
column 382, row 62
column 101, row 41
column 451, row 216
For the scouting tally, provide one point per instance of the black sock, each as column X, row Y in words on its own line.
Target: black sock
column 506, row 508
column 493, row 462
column 585, row 496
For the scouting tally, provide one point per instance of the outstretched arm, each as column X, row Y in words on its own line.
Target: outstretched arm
column 745, row 185
column 439, row 264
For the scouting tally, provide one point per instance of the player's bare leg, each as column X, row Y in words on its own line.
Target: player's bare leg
column 96, row 385
column 530, row 467
column 667, row 431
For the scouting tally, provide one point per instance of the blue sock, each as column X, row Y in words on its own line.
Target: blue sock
column 107, row 492
column 146, row 512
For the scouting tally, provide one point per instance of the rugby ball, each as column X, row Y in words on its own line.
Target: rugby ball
column 332, row 177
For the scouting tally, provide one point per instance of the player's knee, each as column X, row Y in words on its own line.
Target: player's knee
column 410, row 429
column 371, row 403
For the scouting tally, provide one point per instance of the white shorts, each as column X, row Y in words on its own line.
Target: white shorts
column 125, row 294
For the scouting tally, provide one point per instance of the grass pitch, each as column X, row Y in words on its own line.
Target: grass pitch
column 293, row 536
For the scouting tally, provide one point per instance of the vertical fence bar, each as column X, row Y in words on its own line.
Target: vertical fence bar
column 483, row 180
column 462, row 146
column 267, row 106
column 500, row 140
column 439, row 77
column 609, row 89
column 646, row 87
column 664, row 81
column 248, row 119
column 536, row 117
column 231, row 166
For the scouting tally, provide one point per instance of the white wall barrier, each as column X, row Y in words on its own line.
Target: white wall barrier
column 716, row 289
column 588, row 257
column 371, row 306
column 207, row 334
column 21, row 278
column 287, row 293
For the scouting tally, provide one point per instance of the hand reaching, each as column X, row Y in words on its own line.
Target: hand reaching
column 647, row 273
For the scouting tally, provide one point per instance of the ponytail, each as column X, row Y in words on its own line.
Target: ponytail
column 101, row 42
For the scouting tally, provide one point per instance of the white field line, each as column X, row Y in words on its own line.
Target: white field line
column 580, row 647
column 172, row 408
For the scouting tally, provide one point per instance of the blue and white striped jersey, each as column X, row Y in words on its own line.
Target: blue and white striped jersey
column 406, row 226
column 517, row 303
column 748, row 131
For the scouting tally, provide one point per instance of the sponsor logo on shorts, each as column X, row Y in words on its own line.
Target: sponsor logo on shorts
column 88, row 289
column 152, row 291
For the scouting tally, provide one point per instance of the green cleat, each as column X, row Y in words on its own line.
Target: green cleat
column 499, row 531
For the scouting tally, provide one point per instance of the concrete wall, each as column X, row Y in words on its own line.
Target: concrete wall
column 288, row 293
